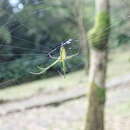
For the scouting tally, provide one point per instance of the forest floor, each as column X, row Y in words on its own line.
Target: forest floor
column 60, row 104
column 66, row 116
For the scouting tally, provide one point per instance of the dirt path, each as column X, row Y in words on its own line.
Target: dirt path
column 69, row 115
column 58, row 97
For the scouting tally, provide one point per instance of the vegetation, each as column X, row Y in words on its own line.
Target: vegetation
column 29, row 30
column 73, row 79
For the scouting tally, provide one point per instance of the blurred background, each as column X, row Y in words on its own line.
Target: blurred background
column 30, row 29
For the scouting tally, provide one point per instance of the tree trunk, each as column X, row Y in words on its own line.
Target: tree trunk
column 98, row 39
column 82, row 33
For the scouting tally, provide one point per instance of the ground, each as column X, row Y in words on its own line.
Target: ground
column 24, row 106
column 70, row 115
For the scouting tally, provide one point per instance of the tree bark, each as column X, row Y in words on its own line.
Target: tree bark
column 98, row 41
column 82, row 33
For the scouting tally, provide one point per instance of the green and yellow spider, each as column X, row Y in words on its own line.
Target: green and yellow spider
column 62, row 59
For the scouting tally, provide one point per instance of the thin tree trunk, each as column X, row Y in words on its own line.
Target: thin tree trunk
column 98, row 39
column 82, row 33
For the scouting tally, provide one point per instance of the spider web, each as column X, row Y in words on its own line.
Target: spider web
column 36, row 55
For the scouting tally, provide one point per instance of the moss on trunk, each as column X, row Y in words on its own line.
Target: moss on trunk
column 95, row 115
column 98, row 35
column 100, row 93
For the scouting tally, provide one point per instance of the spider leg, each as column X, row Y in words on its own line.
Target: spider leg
column 71, row 56
column 52, row 57
column 45, row 69
column 63, row 67
column 60, row 74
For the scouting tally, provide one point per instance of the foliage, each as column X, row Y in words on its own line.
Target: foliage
column 30, row 29
column 5, row 35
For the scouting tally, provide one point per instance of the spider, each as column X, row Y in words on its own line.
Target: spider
column 60, row 59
